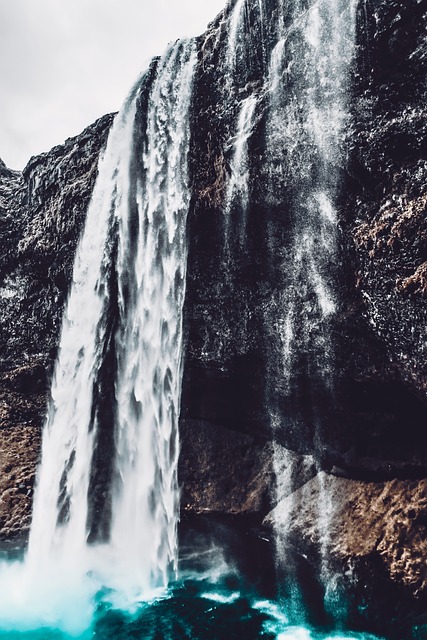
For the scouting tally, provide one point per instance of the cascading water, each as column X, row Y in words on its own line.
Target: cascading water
column 237, row 196
column 307, row 116
column 151, row 297
column 126, row 299
column 304, row 93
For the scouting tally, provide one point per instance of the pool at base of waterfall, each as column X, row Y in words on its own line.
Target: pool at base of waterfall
column 193, row 609
column 226, row 590
column 188, row 612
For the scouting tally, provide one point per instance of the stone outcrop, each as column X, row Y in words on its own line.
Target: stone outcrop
column 235, row 407
column 211, row 480
column 42, row 214
column 373, row 535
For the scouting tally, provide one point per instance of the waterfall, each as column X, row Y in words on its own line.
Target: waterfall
column 151, row 296
column 125, row 303
column 299, row 95
column 304, row 98
column 308, row 82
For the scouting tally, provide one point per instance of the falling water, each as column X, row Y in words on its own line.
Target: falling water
column 61, row 499
column 137, row 221
column 308, row 82
column 237, row 196
column 310, row 49
column 245, row 46
column 151, row 296
column 235, row 35
column 308, row 113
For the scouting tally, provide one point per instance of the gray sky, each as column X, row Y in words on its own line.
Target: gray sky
column 64, row 63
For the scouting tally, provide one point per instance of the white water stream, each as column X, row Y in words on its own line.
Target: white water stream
column 308, row 114
column 137, row 221
column 305, row 93
column 237, row 195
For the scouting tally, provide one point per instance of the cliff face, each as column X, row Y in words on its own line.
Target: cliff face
column 237, row 310
column 368, row 423
column 384, row 203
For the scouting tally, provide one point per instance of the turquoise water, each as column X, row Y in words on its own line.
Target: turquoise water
column 225, row 592
column 192, row 610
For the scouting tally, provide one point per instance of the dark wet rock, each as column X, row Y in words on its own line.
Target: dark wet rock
column 226, row 472
column 42, row 214
column 19, row 450
column 385, row 198
column 373, row 536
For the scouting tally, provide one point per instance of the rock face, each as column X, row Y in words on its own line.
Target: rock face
column 373, row 532
column 236, row 307
column 236, row 405
column 214, row 483
column 384, row 209
column 42, row 214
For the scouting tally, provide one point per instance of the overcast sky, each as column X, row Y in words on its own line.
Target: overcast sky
column 64, row 63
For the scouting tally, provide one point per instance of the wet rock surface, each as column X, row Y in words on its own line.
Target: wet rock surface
column 386, row 195
column 224, row 472
column 373, row 533
column 236, row 309
column 19, row 451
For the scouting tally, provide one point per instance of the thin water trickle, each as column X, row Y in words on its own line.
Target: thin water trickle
column 237, row 195
column 235, row 33
column 308, row 85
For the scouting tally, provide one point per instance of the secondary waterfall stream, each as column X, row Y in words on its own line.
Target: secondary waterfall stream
column 305, row 88
column 308, row 113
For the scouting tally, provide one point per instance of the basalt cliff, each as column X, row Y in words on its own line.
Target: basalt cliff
column 363, row 429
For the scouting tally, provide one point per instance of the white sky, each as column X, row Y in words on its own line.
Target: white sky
column 64, row 63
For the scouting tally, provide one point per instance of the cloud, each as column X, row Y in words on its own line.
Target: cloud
column 64, row 63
